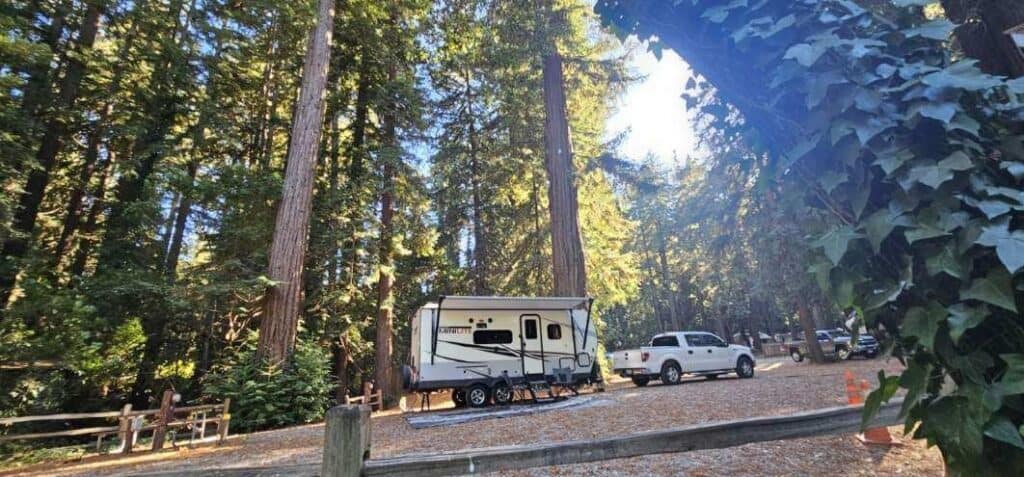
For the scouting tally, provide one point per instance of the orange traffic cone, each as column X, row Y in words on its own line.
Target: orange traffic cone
column 873, row 435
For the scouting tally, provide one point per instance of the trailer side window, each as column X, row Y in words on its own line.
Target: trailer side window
column 530, row 329
column 554, row 331
column 486, row 337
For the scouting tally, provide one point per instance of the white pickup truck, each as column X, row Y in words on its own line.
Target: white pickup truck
column 671, row 355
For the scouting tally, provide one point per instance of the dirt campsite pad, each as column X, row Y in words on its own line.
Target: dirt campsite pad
column 780, row 387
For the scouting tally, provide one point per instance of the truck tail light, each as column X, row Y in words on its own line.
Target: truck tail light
column 644, row 356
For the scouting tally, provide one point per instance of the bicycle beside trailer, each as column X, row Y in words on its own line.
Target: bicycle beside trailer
column 485, row 349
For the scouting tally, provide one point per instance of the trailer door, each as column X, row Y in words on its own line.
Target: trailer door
column 531, row 344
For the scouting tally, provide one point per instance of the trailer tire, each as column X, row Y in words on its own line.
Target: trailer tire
column 501, row 394
column 478, row 395
column 641, row 381
column 670, row 373
column 406, row 377
column 459, row 397
column 796, row 355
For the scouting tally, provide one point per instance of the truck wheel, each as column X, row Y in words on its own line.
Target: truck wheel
column 501, row 394
column 459, row 397
column 641, row 381
column 744, row 367
column 478, row 396
column 795, row 354
column 670, row 373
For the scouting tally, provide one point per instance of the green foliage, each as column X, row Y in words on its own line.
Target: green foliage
column 878, row 123
column 265, row 396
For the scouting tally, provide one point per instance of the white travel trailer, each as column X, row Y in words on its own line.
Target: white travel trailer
column 484, row 348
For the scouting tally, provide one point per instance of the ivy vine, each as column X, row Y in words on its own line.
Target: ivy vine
column 918, row 157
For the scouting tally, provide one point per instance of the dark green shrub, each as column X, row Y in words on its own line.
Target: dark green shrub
column 264, row 396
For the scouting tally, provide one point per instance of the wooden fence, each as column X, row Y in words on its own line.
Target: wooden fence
column 130, row 423
column 369, row 397
column 347, row 445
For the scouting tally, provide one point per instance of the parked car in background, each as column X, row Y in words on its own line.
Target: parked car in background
column 837, row 344
column 672, row 355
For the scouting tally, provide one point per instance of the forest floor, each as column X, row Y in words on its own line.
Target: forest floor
column 780, row 387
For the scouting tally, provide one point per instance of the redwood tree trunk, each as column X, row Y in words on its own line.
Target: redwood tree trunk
column 570, row 278
column 283, row 301
column 981, row 33
column 385, row 295
column 807, row 323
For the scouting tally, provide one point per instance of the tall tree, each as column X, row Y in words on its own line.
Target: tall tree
column 570, row 277
column 283, row 299
column 50, row 147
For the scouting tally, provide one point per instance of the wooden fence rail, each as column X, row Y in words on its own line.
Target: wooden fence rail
column 719, row 435
column 347, row 445
column 132, row 422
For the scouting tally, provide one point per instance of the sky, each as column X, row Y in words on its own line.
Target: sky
column 651, row 111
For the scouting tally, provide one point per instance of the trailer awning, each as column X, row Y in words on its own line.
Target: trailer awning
column 513, row 303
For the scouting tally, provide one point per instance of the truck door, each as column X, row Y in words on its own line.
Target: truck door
column 531, row 344
column 698, row 354
column 721, row 357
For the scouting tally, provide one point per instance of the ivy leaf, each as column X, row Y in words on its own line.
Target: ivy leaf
column 947, row 261
column 934, row 30
column 831, row 179
column 963, row 317
column 802, row 149
column 957, row 161
column 1016, row 169
column 1012, row 381
column 893, row 161
column 963, row 74
column 822, row 271
column 994, row 289
column 887, row 387
column 955, row 423
column 879, row 297
column 837, row 242
column 1009, row 245
column 932, row 176
column 943, row 112
column 1001, row 428
column 924, row 231
column 879, row 225
column 915, row 380
column 973, row 366
column 923, row 323
column 964, row 123
column 804, row 53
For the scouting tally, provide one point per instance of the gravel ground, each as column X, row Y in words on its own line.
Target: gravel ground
column 781, row 387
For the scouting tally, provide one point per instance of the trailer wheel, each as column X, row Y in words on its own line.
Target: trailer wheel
column 501, row 394
column 478, row 395
column 797, row 357
column 459, row 397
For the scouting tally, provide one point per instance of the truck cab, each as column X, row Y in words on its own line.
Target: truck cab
column 672, row 355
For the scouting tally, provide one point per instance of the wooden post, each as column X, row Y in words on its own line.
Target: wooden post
column 225, row 419
column 163, row 419
column 124, row 429
column 346, row 441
